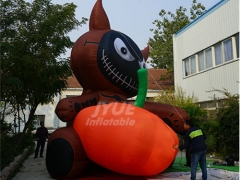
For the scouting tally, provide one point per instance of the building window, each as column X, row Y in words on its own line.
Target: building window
column 208, row 57
column 237, row 44
column 187, row 69
column 37, row 120
column 218, row 53
column 69, row 96
column 223, row 51
column 228, row 50
column 200, row 61
column 193, row 64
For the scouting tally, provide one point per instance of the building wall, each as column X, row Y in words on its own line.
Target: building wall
column 46, row 111
column 217, row 24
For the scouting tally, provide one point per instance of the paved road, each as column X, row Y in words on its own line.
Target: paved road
column 35, row 169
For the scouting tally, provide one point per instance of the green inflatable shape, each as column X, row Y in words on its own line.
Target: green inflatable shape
column 142, row 89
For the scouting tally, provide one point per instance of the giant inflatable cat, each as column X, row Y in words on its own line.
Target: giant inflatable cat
column 103, row 126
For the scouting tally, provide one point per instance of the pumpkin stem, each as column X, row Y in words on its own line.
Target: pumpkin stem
column 142, row 89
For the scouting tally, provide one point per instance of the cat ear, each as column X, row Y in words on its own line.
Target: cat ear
column 145, row 53
column 98, row 18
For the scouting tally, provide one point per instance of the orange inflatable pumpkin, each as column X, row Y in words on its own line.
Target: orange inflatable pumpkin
column 126, row 139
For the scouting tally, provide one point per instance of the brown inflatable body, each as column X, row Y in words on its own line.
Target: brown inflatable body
column 105, row 63
column 66, row 158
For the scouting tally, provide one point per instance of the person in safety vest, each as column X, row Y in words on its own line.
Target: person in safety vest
column 194, row 140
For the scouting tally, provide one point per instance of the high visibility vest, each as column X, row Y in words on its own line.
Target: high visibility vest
column 196, row 133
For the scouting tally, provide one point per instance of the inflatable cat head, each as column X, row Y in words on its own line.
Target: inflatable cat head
column 103, row 59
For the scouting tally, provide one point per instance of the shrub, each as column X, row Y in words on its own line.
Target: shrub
column 8, row 147
column 210, row 128
column 228, row 131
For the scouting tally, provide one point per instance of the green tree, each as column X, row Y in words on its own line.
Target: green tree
column 210, row 128
column 33, row 36
column 178, row 97
column 162, row 43
column 227, row 137
column 197, row 114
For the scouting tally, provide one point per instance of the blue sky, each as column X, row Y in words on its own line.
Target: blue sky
column 131, row 17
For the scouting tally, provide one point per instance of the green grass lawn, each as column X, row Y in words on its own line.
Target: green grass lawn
column 178, row 166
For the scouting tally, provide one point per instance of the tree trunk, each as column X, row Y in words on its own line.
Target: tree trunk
column 3, row 112
column 30, row 120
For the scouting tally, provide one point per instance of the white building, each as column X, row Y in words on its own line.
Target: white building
column 206, row 54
